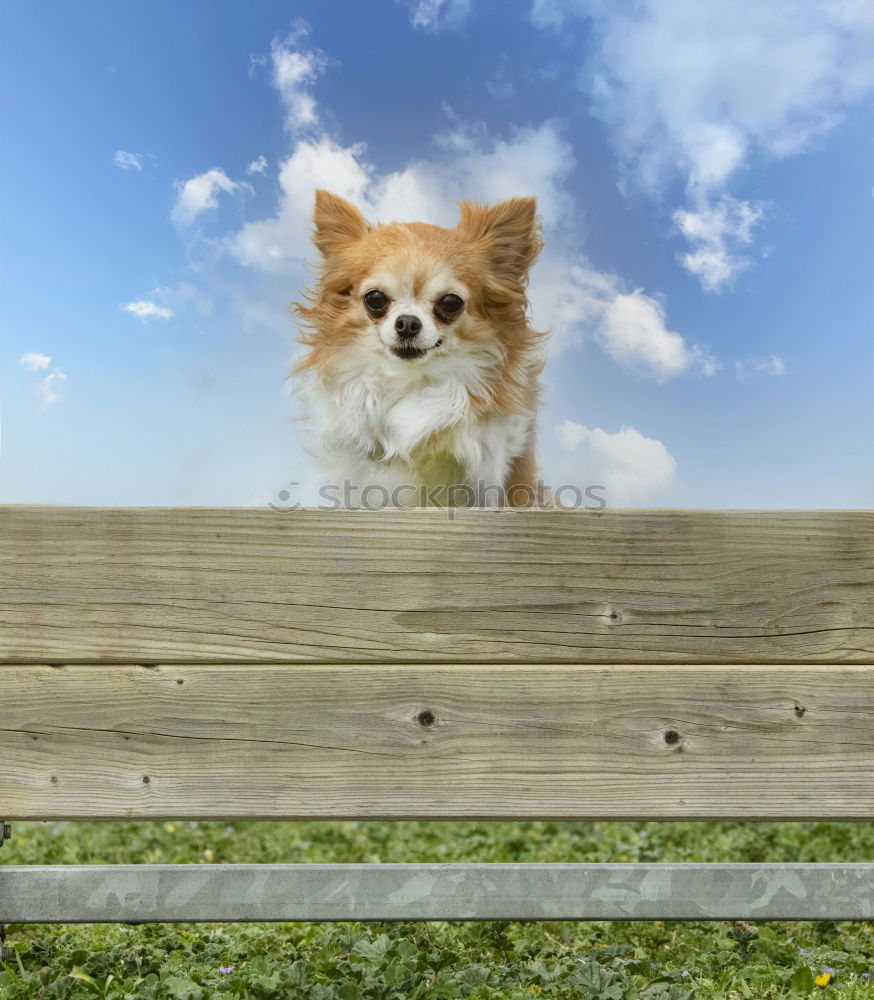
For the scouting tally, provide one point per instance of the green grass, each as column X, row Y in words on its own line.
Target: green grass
column 410, row 961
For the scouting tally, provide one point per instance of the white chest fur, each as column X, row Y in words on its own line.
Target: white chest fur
column 385, row 423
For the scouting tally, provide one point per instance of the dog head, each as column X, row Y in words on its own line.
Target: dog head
column 406, row 294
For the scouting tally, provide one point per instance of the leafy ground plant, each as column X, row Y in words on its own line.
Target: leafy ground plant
column 413, row 961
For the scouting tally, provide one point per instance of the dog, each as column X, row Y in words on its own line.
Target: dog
column 420, row 371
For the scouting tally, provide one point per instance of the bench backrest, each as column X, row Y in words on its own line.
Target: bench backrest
column 617, row 664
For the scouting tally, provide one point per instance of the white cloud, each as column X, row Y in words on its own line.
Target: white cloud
column 500, row 87
column 48, row 390
column 144, row 309
column 534, row 161
column 633, row 332
column 199, row 194
column 633, row 469
column 35, row 362
column 772, row 365
column 694, row 87
column 576, row 302
column 694, row 90
column 572, row 300
column 183, row 296
column 571, row 434
column 128, row 161
column 716, row 233
column 273, row 244
column 568, row 297
column 258, row 166
column 548, row 13
column 435, row 15
column 292, row 70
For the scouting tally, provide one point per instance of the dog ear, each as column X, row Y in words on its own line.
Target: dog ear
column 509, row 231
column 338, row 223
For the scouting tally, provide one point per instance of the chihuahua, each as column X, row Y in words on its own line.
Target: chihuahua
column 421, row 370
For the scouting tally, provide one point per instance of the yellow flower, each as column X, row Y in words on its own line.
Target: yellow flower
column 534, row 988
column 209, row 854
column 169, row 828
column 824, row 979
column 656, row 923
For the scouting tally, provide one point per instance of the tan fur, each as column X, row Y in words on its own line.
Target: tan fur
column 490, row 250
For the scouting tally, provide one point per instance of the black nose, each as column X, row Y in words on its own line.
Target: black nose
column 407, row 325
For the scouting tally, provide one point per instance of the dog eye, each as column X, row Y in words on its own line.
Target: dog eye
column 449, row 305
column 376, row 301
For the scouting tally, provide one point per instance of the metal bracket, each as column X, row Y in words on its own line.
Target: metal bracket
column 5, row 832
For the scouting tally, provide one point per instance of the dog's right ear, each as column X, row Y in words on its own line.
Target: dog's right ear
column 338, row 223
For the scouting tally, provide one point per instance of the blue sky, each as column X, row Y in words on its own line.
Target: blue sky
column 703, row 171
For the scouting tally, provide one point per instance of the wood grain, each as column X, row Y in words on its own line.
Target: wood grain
column 463, row 740
column 152, row 585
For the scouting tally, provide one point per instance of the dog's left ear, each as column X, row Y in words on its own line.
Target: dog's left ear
column 338, row 223
column 510, row 232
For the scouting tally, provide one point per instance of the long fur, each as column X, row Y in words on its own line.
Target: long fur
column 460, row 419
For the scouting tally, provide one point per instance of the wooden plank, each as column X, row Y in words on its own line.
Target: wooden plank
column 410, row 741
column 144, row 893
column 155, row 585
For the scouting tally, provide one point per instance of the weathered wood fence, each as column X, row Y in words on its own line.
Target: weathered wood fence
column 201, row 663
